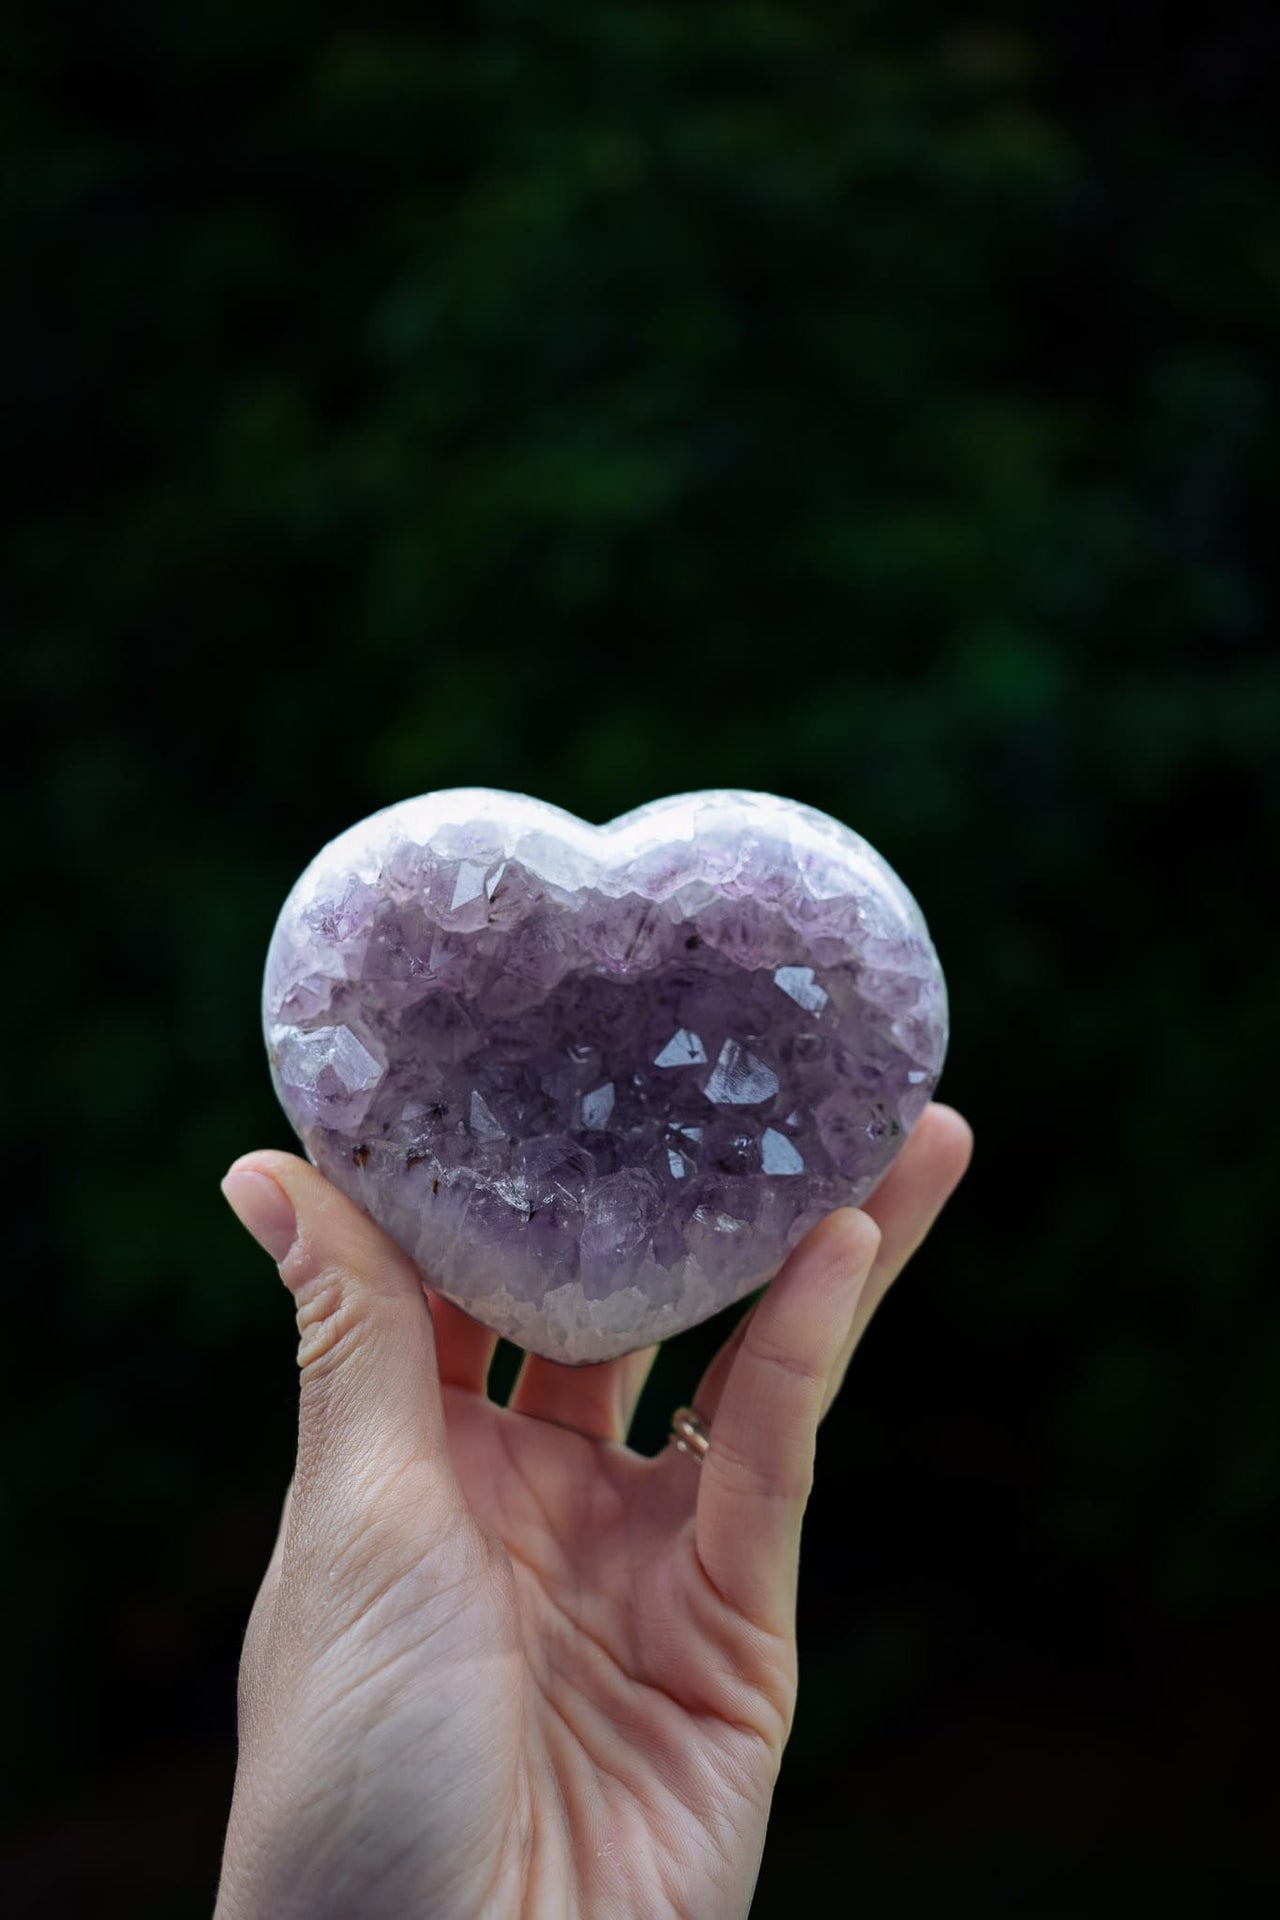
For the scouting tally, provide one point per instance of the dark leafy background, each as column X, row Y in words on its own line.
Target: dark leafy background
column 870, row 403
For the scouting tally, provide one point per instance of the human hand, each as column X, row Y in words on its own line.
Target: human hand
column 501, row 1665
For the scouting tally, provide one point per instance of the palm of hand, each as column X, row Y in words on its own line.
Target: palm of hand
column 513, row 1668
column 655, row 1713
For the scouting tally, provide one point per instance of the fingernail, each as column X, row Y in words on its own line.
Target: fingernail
column 264, row 1208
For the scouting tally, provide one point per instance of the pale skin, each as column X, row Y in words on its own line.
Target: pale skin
column 501, row 1666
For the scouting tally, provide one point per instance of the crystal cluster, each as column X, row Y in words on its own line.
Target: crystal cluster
column 597, row 1080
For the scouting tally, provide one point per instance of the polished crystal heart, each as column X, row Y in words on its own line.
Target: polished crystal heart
column 597, row 1080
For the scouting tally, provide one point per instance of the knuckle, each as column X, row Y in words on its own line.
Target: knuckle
column 806, row 1368
column 329, row 1320
column 775, row 1476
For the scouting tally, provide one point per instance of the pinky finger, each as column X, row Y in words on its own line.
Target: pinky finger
column 754, row 1482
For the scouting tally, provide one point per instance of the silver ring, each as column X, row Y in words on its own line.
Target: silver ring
column 690, row 1432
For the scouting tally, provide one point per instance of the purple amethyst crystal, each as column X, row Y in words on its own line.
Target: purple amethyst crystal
column 596, row 1081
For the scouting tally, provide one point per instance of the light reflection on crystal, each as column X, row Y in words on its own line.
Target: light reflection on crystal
column 483, row 1120
column 469, row 885
column 777, row 1155
column 333, row 1073
column 598, row 1105
column 683, row 1049
column 799, row 984
column 740, row 1078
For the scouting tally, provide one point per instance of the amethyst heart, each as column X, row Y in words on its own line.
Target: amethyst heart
column 597, row 1080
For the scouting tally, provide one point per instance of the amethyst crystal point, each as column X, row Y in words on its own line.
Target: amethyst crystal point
column 597, row 1080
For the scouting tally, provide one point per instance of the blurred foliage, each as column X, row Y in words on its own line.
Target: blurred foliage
column 869, row 403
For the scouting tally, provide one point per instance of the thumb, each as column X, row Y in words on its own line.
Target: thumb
column 371, row 1404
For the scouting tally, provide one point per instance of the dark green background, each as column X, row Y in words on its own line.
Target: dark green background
column 874, row 404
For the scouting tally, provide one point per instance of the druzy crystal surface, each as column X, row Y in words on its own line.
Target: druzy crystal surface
column 596, row 1081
